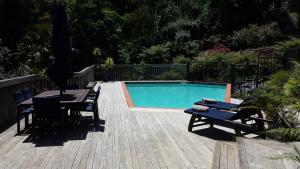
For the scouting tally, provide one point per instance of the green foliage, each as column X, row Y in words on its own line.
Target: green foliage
column 284, row 134
column 132, row 31
column 165, row 53
column 278, row 79
column 180, row 59
column 256, row 36
column 231, row 57
column 292, row 86
column 289, row 156
column 225, row 16
column 156, row 54
column 282, row 46
column 215, row 66
column 281, row 96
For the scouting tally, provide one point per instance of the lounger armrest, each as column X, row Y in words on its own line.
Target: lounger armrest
column 260, row 119
column 240, row 126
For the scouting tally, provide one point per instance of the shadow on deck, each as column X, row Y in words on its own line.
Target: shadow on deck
column 55, row 137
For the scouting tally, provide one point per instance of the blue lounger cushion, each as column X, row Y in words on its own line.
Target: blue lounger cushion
column 218, row 105
column 213, row 114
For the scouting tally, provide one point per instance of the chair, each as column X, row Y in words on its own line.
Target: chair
column 91, row 105
column 48, row 111
column 27, row 93
column 222, row 105
column 93, row 93
column 239, row 120
column 21, row 111
column 90, row 85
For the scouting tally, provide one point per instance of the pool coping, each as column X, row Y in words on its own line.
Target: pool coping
column 130, row 103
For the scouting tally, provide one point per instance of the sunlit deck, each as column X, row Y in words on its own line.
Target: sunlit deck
column 127, row 139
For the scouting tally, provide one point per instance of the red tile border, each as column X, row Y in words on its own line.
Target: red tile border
column 228, row 93
column 127, row 96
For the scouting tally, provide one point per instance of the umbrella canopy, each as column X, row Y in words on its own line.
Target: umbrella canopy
column 61, row 70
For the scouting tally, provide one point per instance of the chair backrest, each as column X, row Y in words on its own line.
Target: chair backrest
column 19, row 97
column 27, row 93
column 46, row 107
column 247, row 101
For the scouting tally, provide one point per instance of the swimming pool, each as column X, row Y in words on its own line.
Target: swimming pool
column 170, row 95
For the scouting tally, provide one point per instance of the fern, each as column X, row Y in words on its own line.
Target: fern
column 284, row 134
column 289, row 156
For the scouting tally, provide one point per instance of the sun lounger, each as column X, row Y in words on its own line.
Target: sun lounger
column 248, row 120
column 221, row 105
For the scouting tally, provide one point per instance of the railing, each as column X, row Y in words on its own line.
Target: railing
column 144, row 72
column 37, row 84
column 83, row 77
column 243, row 77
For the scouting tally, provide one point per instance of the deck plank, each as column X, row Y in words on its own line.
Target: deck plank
column 128, row 139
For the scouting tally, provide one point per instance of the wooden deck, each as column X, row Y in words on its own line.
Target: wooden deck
column 127, row 139
column 135, row 138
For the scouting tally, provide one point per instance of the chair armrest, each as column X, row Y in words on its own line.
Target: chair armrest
column 260, row 119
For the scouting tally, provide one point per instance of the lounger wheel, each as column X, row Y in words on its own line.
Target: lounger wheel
column 211, row 124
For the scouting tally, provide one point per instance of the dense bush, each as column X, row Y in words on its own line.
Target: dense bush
column 166, row 53
column 281, row 95
column 224, row 67
column 282, row 46
column 284, row 134
column 128, row 31
column 256, row 36
column 156, row 54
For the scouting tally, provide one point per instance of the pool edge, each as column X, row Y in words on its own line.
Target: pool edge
column 130, row 103
column 228, row 93
column 127, row 96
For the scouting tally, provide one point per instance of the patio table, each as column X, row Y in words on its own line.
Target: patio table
column 70, row 98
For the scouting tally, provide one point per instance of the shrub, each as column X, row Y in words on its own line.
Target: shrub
column 156, row 54
column 284, row 134
column 180, row 59
column 231, row 57
column 256, row 36
column 219, row 49
column 282, row 46
column 281, row 97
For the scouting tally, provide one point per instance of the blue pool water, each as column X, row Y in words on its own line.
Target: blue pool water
column 173, row 95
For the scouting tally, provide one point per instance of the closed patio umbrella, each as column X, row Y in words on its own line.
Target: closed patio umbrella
column 61, row 70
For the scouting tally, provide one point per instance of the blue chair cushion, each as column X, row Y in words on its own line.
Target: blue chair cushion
column 213, row 114
column 19, row 97
column 218, row 105
column 27, row 93
column 27, row 110
column 88, row 107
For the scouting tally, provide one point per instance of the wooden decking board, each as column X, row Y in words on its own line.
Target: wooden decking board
column 226, row 156
column 132, row 139
column 265, row 154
